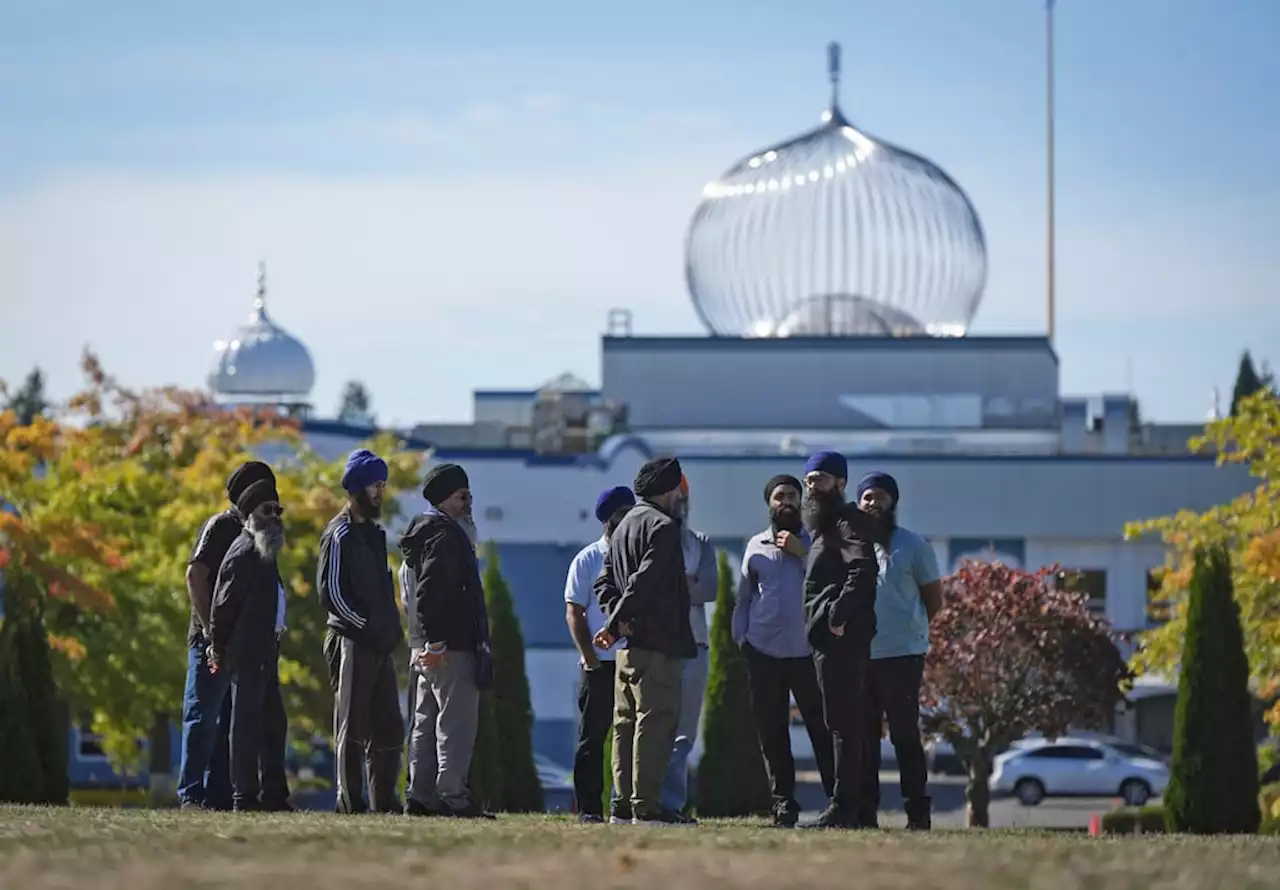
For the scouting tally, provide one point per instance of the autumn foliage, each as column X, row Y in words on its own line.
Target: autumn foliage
column 103, row 503
column 1249, row 528
column 1010, row 654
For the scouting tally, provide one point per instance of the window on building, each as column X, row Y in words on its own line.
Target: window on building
column 1091, row 582
column 1159, row 607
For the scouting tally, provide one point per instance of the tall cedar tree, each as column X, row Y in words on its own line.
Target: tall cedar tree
column 1247, row 382
column 33, row 744
column 1213, row 786
column 731, row 778
column 508, row 711
column 29, row 401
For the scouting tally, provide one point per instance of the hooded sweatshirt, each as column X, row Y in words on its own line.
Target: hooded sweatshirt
column 441, row 586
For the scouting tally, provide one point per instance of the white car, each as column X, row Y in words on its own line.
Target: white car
column 1079, row 767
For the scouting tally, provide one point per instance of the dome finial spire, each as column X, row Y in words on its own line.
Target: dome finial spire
column 261, row 301
column 833, row 72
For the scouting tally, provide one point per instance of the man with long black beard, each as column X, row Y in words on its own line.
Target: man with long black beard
column 769, row 626
column 908, row 596
column 840, row 603
column 205, row 772
column 242, row 631
column 355, row 586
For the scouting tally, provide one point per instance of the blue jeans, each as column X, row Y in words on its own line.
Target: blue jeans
column 693, row 685
column 204, row 777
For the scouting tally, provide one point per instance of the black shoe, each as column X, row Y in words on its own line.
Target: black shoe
column 786, row 815
column 590, row 819
column 869, row 821
column 278, row 806
column 414, row 808
column 191, row 805
column 919, row 815
column 246, row 806
column 834, row 816
column 620, row 814
column 472, row 810
column 663, row 817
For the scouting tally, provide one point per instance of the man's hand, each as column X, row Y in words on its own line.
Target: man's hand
column 427, row 658
column 212, row 658
column 790, row 543
column 589, row 661
column 837, row 630
column 603, row 639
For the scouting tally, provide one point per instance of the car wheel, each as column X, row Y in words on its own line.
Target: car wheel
column 1029, row 792
column 1135, row 792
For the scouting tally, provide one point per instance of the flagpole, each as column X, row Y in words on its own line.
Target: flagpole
column 1052, row 313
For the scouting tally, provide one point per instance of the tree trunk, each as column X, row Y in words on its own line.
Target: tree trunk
column 977, row 792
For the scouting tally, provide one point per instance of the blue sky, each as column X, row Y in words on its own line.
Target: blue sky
column 452, row 196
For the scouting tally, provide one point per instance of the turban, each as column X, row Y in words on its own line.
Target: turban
column 830, row 462
column 364, row 468
column 254, row 496
column 612, row 500
column 781, row 479
column 441, row 482
column 882, row 481
column 245, row 475
column 658, row 477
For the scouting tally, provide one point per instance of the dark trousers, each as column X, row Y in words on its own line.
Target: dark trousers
column 248, row 697
column 842, row 679
column 368, row 727
column 595, row 718
column 893, row 695
column 275, row 739
column 773, row 681
column 204, row 775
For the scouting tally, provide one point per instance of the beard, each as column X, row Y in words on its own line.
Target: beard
column 268, row 538
column 785, row 519
column 821, row 509
column 369, row 508
column 468, row 523
column 886, row 522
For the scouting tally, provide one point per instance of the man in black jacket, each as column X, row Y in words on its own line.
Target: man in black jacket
column 644, row 592
column 205, row 772
column 449, row 646
column 242, row 631
column 840, row 615
column 355, row 587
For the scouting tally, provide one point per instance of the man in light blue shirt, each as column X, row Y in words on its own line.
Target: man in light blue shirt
column 769, row 626
column 595, row 683
column 908, row 596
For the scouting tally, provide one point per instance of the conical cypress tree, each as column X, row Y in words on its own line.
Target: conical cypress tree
column 484, row 780
column 731, row 777
column 21, row 769
column 521, row 792
column 1247, row 382
column 1213, row 787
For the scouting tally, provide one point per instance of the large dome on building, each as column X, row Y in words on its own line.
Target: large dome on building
column 835, row 233
column 261, row 362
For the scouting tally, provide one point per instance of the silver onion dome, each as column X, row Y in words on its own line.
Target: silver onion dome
column 835, row 233
column 261, row 362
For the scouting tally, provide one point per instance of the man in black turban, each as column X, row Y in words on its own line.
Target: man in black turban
column 644, row 592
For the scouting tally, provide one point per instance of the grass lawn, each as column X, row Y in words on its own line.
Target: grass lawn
column 105, row 849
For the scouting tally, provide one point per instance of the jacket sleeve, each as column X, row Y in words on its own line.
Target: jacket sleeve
column 228, row 599
column 334, row 581
column 407, row 583
column 661, row 560
column 604, row 587
column 741, row 619
column 438, row 578
column 858, row 587
column 704, row 586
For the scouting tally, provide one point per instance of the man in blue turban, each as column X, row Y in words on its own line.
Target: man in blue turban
column 364, row 630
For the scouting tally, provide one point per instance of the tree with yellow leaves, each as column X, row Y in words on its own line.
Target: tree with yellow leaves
column 103, row 504
column 1249, row 528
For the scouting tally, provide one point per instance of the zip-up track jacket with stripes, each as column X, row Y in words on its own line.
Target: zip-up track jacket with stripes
column 355, row 585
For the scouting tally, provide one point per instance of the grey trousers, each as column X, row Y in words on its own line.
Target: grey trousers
column 445, row 718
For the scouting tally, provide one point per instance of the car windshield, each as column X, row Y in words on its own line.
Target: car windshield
column 1130, row 750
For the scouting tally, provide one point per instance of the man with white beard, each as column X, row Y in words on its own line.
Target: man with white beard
column 242, row 631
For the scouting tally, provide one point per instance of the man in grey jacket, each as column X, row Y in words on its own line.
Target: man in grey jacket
column 700, row 566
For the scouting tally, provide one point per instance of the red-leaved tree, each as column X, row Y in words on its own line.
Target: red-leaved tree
column 1011, row 654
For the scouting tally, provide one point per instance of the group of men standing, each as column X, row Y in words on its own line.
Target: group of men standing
column 234, row 724
column 833, row 606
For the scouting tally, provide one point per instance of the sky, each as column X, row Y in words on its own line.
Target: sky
column 452, row 196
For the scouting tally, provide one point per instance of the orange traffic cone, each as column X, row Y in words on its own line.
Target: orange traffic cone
column 1095, row 825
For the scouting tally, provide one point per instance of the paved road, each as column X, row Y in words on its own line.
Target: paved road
column 949, row 810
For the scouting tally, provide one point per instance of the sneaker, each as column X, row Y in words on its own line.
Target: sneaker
column 786, row 815
column 834, row 816
column 620, row 814
column 191, row 805
column 414, row 808
column 665, row 817
column 246, row 806
column 590, row 819
column 472, row 810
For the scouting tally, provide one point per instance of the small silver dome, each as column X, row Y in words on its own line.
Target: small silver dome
column 262, row 361
column 835, row 224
